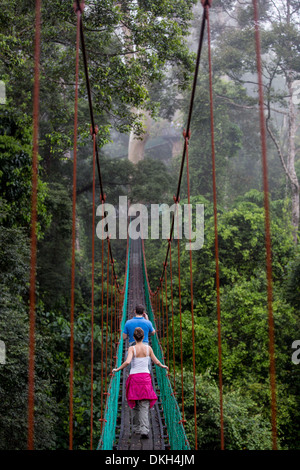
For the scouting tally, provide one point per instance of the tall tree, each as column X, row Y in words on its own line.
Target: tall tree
column 235, row 56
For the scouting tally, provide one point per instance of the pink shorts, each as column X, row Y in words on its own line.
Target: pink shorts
column 139, row 387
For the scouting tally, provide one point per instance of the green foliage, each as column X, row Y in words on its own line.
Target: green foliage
column 16, row 171
column 124, row 61
column 244, row 316
column 235, row 57
column 14, row 373
column 293, row 282
column 151, row 182
column 206, row 352
column 228, row 136
column 54, row 249
column 245, row 427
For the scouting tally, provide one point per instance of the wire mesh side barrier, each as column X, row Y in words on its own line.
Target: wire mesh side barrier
column 176, row 432
column 108, row 434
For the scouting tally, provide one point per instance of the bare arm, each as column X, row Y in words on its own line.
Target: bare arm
column 125, row 335
column 156, row 361
column 127, row 361
column 152, row 333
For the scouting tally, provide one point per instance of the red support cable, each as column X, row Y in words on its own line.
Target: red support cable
column 102, row 316
column 191, row 283
column 163, row 317
column 78, row 14
column 111, row 313
column 159, row 310
column 216, row 229
column 159, row 313
column 118, row 314
column 167, row 317
column 107, row 309
column 92, row 300
column 180, row 312
column 160, row 294
column 173, row 333
column 146, row 272
column 30, row 436
column 267, row 229
column 115, row 311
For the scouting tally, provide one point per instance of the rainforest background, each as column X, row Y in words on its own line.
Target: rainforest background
column 141, row 60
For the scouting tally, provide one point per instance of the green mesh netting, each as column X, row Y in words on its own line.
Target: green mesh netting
column 177, row 435
column 111, row 410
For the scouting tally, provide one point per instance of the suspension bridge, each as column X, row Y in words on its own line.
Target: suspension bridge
column 167, row 418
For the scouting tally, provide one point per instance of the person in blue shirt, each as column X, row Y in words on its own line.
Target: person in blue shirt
column 139, row 320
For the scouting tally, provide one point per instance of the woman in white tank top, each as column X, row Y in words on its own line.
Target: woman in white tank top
column 140, row 365
column 139, row 391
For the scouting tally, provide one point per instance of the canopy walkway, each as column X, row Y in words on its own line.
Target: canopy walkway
column 166, row 429
column 167, row 424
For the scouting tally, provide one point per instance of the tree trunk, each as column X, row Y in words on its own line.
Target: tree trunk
column 136, row 146
column 291, row 161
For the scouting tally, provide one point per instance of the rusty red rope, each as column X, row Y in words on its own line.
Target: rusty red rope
column 92, row 299
column 102, row 316
column 172, row 306
column 111, row 312
column 118, row 315
column 36, row 92
column 159, row 312
column 163, row 317
column 167, row 317
column 107, row 310
column 115, row 311
column 180, row 312
column 186, row 137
